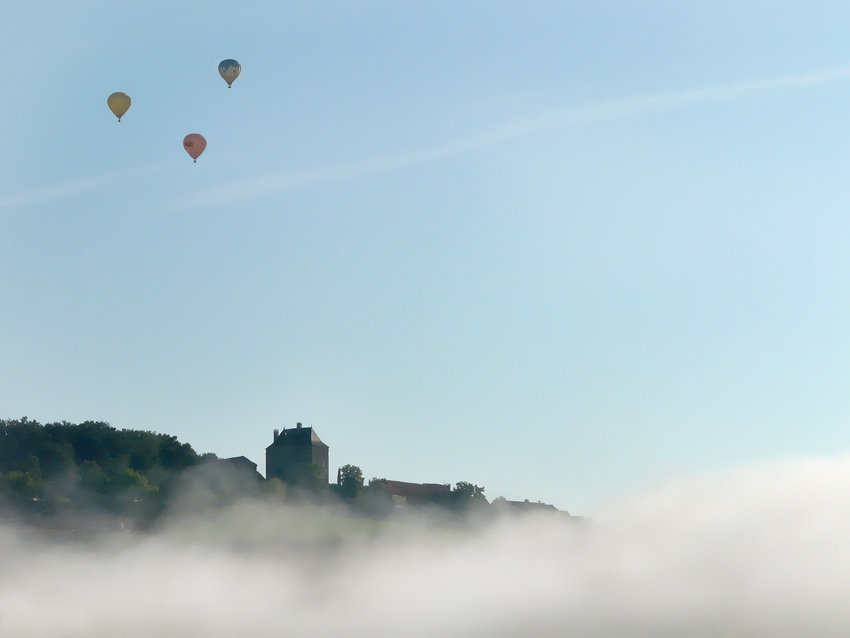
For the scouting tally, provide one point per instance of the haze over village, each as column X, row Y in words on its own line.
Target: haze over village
column 557, row 290
column 758, row 551
column 299, row 455
column 56, row 476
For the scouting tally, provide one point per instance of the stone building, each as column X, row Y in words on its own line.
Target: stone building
column 293, row 451
column 241, row 465
column 404, row 493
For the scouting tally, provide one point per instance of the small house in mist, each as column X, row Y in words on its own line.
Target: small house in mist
column 218, row 482
column 526, row 506
column 292, row 453
column 241, row 465
column 404, row 493
column 529, row 506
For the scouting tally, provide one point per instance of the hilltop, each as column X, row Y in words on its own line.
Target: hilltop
column 68, row 476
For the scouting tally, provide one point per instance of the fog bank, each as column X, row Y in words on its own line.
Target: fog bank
column 761, row 552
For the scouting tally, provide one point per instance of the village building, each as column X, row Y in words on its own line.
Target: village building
column 242, row 466
column 526, row 506
column 404, row 493
column 296, row 454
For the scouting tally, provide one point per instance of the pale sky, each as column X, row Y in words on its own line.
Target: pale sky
column 563, row 250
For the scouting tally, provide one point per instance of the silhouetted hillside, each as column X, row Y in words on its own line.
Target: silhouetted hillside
column 55, row 471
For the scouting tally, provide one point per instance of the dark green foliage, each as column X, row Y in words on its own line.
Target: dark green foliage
column 350, row 481
column 92, row 477
column 123, row 472
column 466, row 495
column 174, row 455
column 21, row 485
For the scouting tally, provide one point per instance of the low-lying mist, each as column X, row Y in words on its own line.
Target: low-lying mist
column 761, row 552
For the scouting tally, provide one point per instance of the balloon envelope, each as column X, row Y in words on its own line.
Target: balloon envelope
column 194, row 143
column 118, row 103
column 229, row 70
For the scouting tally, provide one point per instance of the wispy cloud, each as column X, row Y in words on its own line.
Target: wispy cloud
column 54, row 192
column 544, row 120
column 68, row 189
column 637, row 105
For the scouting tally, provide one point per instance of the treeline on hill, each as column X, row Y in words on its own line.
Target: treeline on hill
column 67, row 476
column 61, row 468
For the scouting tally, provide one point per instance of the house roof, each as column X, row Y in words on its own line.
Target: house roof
column 241, row 464
column 401, row 488
column 240, row 461
column 526, row 504
column 298, row 436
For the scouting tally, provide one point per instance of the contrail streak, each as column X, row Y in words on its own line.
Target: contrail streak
column 70, row 188
column 546, row 120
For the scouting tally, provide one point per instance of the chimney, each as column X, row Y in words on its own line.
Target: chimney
column 276, row 434
column 298, row 425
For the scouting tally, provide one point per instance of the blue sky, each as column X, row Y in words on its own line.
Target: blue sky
column 564, row 250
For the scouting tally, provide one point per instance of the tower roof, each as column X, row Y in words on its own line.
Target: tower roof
column 299, row 436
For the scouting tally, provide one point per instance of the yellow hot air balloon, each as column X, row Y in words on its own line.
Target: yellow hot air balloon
column 118, row 103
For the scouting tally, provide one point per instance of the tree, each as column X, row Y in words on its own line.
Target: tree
column 175, row 455
column 350, row 481
column 466, row 495
column 22, row 485
column 131, row 484
column 92, row 477
column 128, row 471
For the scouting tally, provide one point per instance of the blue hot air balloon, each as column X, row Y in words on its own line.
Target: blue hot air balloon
column 229, row 70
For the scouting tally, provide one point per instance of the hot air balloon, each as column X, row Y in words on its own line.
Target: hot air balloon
column 229, row 70
column 194, row 143
column 118, row 103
